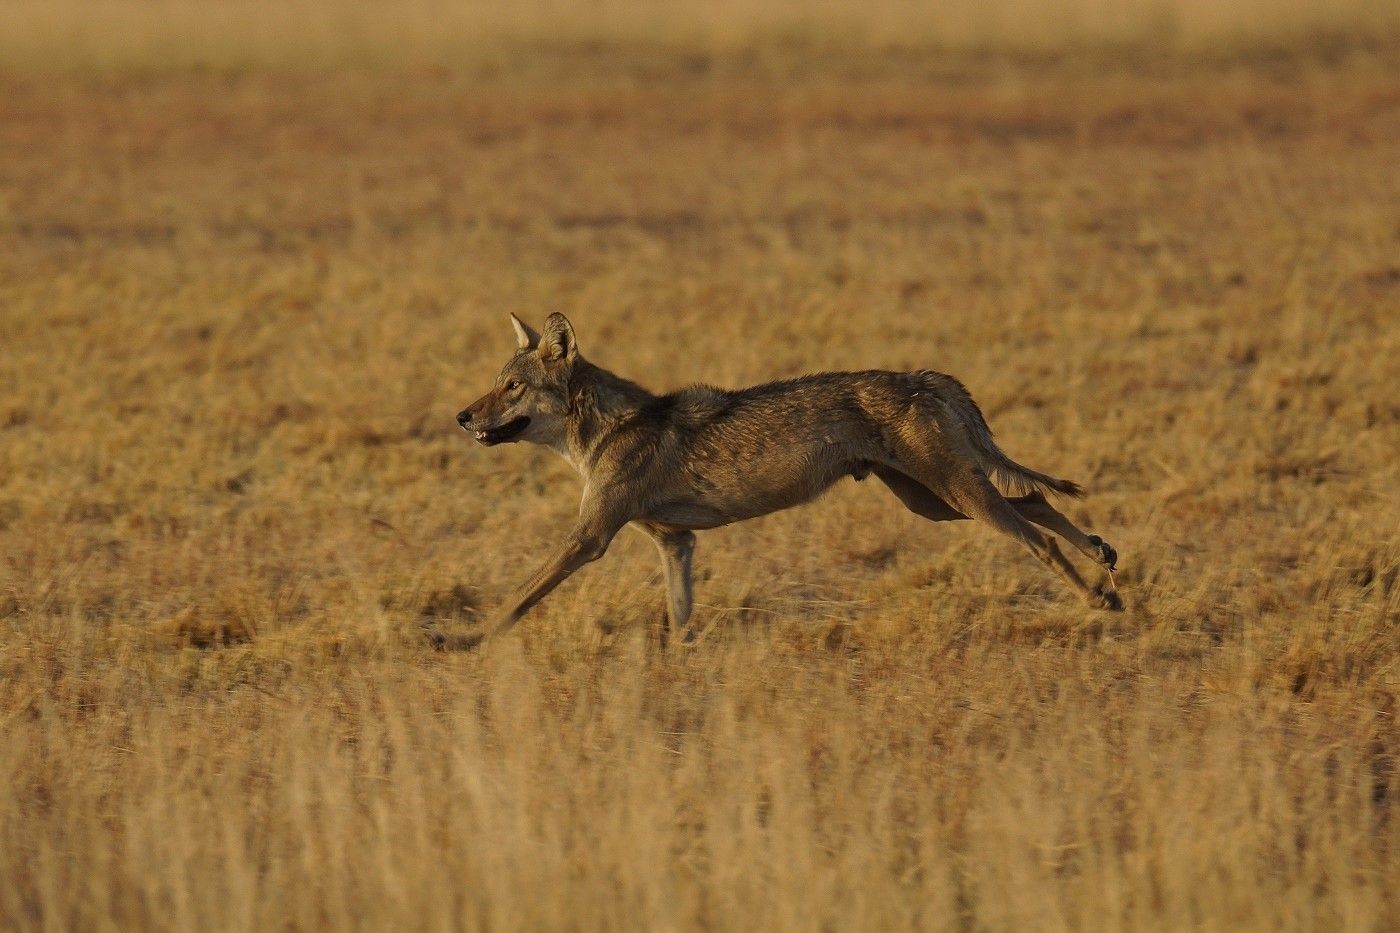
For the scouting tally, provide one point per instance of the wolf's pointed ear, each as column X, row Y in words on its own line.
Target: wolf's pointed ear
column 558, row 342
column 525, row 336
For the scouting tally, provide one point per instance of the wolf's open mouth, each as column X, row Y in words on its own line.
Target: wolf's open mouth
column 503, row 433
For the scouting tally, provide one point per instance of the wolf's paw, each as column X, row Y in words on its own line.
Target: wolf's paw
column 1107, row 555
column 434, row 636
column 1106, row 599
column 440, row 641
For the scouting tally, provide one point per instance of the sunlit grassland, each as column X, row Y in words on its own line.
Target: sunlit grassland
column 254, row 260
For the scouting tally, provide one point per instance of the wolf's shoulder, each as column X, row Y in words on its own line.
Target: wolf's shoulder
column 698, row 401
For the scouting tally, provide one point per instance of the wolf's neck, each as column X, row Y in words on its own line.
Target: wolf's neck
column 599, row 400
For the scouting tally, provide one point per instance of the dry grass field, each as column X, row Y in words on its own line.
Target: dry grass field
column 255, row 257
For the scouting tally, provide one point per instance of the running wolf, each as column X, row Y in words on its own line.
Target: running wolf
column 671, row 465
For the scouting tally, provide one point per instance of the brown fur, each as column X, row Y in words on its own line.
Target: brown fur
column 703, row 457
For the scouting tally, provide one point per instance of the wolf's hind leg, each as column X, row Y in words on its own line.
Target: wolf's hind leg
column 917, row 497
column 925, row 502
column 976, row 497
column 1035, row 507
column 677, row 547
column 979, row 499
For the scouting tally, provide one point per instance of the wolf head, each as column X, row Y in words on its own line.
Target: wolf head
column 530, row 399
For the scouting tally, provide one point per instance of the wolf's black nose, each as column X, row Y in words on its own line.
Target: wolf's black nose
column 464, row 418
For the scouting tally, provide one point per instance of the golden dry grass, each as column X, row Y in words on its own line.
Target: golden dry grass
column 242, row 300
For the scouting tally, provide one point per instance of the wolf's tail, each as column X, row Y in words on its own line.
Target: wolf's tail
column 1011, row 475
column 1005, row 472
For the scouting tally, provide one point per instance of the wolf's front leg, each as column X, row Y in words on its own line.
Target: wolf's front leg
column 676, row 547
column 587, row 542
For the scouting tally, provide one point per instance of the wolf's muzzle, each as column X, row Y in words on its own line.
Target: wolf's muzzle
column 500, row 433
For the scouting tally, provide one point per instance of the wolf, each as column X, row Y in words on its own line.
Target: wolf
column 701, row 457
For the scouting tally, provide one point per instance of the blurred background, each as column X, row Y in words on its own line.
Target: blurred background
column 180, row 33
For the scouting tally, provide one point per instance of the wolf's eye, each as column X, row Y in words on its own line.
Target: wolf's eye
column 512, row 385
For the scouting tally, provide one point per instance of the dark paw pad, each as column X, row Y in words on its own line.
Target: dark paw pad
column 1107, row 555
column 443, row 642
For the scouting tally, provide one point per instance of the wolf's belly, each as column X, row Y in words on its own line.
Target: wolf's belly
column 712, row 501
